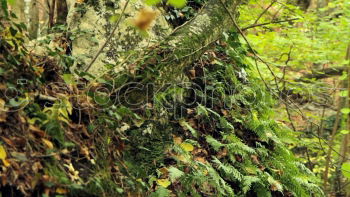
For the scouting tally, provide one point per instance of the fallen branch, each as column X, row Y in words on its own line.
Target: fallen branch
column 322, row 74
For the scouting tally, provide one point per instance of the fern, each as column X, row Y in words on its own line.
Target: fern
column 248, row 181
column 214, row 143
column 228, row 170
column 219, row 183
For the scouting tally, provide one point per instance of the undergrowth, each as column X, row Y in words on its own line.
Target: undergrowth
column 211, row 135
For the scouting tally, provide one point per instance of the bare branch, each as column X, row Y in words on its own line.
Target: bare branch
column 268, row 23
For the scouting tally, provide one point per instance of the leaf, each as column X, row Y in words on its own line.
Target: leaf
column 344, row 76
column 187, row 147
column 200, row 159
column 68, row 79
column 343, row 93
column 143, row 21
column 201, row 110
column 344, row 132
column 177, row 140
column 177, row 3
column 6, row 163
column 187, row 126
column 164, row 171
column 19, row 156
column 163, row 182
column 68, row 106
column 175, row 173
column 3, row 154
column 3, row 110
column 345, row 110
column 152, row 2
column 11, row 2
column 47, row 143
column 114, row 18
column 274, row 184
column 214, row 143
column 161, row 192
column 61, row 191
column 4, row 7
column 345, row 168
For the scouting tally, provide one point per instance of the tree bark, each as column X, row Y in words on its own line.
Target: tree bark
column 345, row 142
column 52, row 13
column 34, row 19
column 61, row 11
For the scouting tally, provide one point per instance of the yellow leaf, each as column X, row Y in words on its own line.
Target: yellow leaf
column 177, row 140
column 187, row 147
column 61, row 190
column 205, row 172
column 69, row 106
column 145, row 18
column 163, row 182
column 2, row 104
column 3, row 110
column 182, row 158
column 200, row 159
column 2, row 153
column 164, row 171
column 6, row 163
column 38, row 70
column 47, row 143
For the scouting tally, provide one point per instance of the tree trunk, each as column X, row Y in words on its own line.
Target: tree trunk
column 52, row 13
column 33, row 19
column 61, row 11
column 345, row 142
column 313, row 4
column 184, row 45
column 330, row 144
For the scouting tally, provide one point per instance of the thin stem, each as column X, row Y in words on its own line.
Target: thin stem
column 268, row 23
column 265, row 10
column 108, row 39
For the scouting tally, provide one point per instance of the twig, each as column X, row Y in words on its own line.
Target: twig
column 330, row 142
column 268, row 23
column 108, row 39
column 250, row 47
column 284, row 87
column 47, row 98
column 265, row 10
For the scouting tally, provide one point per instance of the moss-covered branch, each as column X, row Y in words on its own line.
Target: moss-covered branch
column 191, row 39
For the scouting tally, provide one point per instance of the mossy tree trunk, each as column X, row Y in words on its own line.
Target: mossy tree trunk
column 34, row 19
column 184, row 44
column 190, row 40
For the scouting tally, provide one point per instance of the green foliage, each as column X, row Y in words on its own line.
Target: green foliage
column 223, row 142
column 318, row 39
column 175, row 3
column 249, row 151
column 346, row 169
